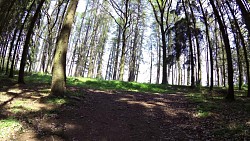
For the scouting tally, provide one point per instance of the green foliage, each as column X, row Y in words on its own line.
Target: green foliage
column 118, row 85
column 38, row 78
column 205, row 109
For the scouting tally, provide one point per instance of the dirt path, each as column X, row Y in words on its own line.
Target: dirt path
column 116, row 116
column 122, row 116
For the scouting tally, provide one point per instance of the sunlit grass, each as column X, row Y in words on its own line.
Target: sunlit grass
column 117, row 85
column 38, row 78
column 24, row 106
column 19, row 106
column 8, row 127
column 56, row 101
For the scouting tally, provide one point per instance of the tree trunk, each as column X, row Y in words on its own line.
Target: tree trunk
column 243, row 45
column 158, row 61
column 197, row 46
column 230, row 95
column 27, row 42
column 58, row 85
column 117, row 53
column 190, row 46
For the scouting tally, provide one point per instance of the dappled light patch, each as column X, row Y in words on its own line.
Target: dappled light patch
column 9, row 127
column 15, row 90
column 248, row 123
column 160, row 103
column 26, row 105
column 201, row 114
column 114, row 110
column 4, row 97
column 145, row 104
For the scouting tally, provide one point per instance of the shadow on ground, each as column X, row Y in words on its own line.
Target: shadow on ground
column 106, row 115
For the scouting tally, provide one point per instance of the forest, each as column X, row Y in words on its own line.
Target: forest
column 137, row 69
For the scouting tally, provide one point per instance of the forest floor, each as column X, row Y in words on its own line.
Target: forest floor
column 27, row 112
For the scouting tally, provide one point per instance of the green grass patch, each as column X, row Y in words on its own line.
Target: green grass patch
column 196, row 97
column 56, row 100
column 8, row 127
column 19, row 106
column 38, row 78
column 117, row 85
column 205, row 109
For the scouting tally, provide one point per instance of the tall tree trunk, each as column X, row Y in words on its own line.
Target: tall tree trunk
column 3, row 52
column 58, row 85
column 230, row 95
column 117, row 53
column 10, row 50
column 209, row 46
column 158, row 61
column 122, row 63
column 243, row 45
column 197, row 46
column 133, row 56
column 217, row 54
column 151, row 63
column 190, row 46
column 27, row 42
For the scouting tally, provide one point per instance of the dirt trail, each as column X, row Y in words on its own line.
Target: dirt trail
column 122, row 116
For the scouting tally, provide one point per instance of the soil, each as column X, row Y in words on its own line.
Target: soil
column 124, row 116
column 114, row 116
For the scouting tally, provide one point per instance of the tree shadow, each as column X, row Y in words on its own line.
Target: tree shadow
column 108, row 115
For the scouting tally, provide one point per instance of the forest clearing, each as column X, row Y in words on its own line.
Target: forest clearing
column 119, row 111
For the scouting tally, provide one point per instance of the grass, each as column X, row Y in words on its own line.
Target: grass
column 38, row 78
column 8, row 127
column 230, row 118
column 56, row 101
column 208, row 104
column 20, row 106
column 117, row 85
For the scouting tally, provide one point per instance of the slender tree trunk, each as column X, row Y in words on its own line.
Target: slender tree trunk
column 151, row 63
column 230, row 95
column 243, row 45
column 190, row 46
column 197, row 46
column 58, row 85
column 217, row 54
column 27, row 42
column 10, row 50
column 158, row 61
column 117, row 53
column 122, row 63
column 3, row 52
column 209, row 46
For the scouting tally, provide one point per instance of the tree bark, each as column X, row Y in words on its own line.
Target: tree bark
column 243, row 45
column 190, row 46
column 230, row 95
column 58, row 85
column 27, row 42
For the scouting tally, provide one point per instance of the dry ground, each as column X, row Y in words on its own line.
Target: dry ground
column 112, row 115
